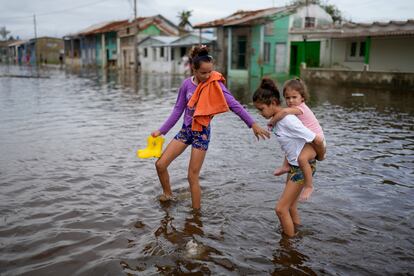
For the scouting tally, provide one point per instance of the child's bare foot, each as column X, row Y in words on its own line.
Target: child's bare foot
column 281, row 170
column 306, row 193
column 165, row 198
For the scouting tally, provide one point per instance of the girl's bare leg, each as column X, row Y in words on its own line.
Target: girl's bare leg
column 308, row 153
column 174, row 149
column 286, row 202
column 320, row 148
column 284, row 169
column 294, row 213
column 194, row 168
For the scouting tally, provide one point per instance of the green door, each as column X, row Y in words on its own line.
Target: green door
column 306, row 51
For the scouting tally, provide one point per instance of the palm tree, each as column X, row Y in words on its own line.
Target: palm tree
column 184, row 24
column 4, row 32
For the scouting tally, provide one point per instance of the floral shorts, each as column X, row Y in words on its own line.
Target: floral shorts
column 197, row 139
column 296, row 174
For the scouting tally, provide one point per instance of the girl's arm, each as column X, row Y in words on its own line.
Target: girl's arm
column 296, row 129
column 176, row 113
column 281, row 114
column 238, row 109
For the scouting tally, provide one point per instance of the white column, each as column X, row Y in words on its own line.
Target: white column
column 229, row 46
column 103, row 51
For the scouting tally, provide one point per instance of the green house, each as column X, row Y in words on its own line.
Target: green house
column 253, row 44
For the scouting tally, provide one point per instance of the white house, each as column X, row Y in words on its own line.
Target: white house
column 168, row 54
column 377, row 46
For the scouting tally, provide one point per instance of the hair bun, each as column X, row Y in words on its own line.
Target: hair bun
column 203, row 51
column 268, row 83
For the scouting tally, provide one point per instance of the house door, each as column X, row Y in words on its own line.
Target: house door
column 280, row 57
column 294, row 64
column 306, row 51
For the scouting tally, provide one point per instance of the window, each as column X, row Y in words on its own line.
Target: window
column 309, row 22
column 266, row 52
column 145, row 52
column 172, row 53
column 268, row 29
column 362, row 49
column 154, row 54
column 127, row 30
column 161, row 52
column 241, row 52
column 356, row 51
column 183, row 51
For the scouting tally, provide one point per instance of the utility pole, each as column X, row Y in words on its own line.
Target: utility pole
column 136, row 53
column 35, row 35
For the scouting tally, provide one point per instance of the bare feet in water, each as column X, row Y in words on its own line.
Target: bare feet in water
column 165, row 198
column 281, row 170
column 306, row 193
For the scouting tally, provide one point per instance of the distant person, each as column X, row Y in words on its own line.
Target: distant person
column 296, row 94
column 187, row 66
column 200, row 97
column 293, row 138
column 61, row 60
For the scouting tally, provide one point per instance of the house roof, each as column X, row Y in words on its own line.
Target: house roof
column 186, row 40
column 17, row 43
column 192, row 39
column 352, row 29
column 108, row 27
column 102, row 27
column 245, row 17
column 162, row 23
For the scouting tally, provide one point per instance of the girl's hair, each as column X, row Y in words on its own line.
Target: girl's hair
column 199, row 54
column 297, row 85
column 267, row 92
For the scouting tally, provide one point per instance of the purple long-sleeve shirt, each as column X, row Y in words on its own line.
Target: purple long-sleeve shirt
column 184, row 94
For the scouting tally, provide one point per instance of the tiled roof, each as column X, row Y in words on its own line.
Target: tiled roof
column 352, row 29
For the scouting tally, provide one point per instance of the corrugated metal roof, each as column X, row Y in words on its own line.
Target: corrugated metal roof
column 245, row 17
column 109, row 27
column 352, row 29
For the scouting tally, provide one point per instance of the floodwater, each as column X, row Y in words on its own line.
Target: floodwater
column 75, row 200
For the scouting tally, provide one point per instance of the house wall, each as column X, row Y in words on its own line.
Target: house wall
column 339, row 59
column 154, row 62
column 151, row 30
column 321, row 16
column 349, row 78
column 395, row 54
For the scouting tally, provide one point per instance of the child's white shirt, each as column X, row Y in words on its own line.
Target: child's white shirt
column 292, row 136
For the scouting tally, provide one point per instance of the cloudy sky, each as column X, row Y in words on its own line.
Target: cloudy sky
column 61, row 17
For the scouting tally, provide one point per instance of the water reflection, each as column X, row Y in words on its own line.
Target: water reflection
column 288, row 260
column 75, row 200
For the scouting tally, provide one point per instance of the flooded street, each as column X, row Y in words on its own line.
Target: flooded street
column 75, row 199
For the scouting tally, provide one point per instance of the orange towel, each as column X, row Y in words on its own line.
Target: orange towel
column 208, row 100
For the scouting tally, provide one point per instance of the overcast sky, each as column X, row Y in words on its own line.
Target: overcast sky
column 61, row 17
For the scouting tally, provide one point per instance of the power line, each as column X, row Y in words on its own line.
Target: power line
column 57, row 11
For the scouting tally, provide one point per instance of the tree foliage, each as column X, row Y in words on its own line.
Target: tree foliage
column 4, row 32
column 184, row 17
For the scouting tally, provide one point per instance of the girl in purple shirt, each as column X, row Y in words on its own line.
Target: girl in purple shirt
column 202, row 66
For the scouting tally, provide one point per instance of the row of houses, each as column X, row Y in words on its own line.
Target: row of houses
column 277, row 41
column 160, row 45
column 41, row 50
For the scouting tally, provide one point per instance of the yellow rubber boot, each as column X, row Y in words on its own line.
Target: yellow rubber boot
column 153, row 149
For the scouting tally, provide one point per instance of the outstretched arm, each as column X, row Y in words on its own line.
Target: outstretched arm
column 238, row 109
column 280, row 115
column 176, row 113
